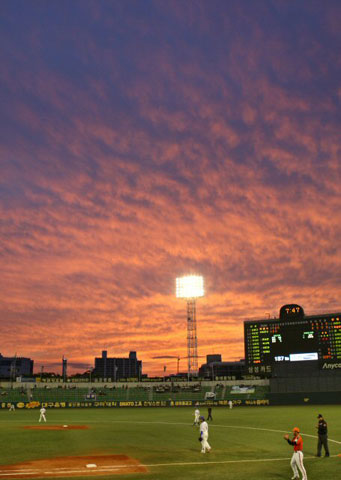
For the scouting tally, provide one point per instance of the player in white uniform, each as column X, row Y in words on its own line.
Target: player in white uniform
column 42, row 414
column 196, row 416
column 12, row 407
column 204, row 436
column 230, row 404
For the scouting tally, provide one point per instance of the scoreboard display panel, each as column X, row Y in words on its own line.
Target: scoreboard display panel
column 293, row 337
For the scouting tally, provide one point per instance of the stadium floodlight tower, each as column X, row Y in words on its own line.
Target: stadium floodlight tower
column 191, row 287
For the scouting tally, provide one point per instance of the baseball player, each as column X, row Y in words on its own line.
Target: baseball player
column 196, row 416
column 204, row 436
column 42, row 414
column 230, row 404
column 297, row 458
column 12, row 407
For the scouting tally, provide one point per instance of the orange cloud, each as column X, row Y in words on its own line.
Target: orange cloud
column 128, row 159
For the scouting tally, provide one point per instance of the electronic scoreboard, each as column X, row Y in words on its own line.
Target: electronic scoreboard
column 293, row 337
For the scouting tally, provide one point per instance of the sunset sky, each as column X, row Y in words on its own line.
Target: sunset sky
column 143, row 140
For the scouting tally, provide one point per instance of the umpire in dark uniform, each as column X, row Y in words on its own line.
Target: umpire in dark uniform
column 322, row 432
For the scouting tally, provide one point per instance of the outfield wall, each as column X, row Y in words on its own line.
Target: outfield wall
column 135, row 404
column 294, row 398
column 305, row 398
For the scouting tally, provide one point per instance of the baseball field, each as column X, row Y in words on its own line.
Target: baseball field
column 247, row 443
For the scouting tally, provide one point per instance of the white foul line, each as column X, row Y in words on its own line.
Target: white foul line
column 183, row 423
column 116, row 467
column 222, row 426
column 5, row 473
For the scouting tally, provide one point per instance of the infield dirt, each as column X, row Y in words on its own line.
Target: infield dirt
column 73, row 467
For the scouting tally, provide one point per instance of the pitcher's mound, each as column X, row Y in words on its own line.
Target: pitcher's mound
column 56, row 427
column 73, row 467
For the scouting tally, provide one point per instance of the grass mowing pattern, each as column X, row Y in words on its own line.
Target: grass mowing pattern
column 166, row 436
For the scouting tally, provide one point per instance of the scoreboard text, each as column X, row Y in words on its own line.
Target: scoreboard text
column 293, row 339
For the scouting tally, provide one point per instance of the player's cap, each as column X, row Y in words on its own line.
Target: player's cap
column 296, row 429
column 202, row 418
column 319, row 416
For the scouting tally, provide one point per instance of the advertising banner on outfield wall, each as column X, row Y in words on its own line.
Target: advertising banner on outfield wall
column 127, row 404
column 328, row 365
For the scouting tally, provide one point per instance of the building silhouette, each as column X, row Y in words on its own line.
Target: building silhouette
column 12, row 367
column 117, row 368
column 64, row 369
column 215, row 367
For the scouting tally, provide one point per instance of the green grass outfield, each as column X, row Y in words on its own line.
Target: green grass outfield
column 247, row 442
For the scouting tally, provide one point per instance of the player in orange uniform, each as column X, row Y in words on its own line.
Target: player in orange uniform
column 297, row 458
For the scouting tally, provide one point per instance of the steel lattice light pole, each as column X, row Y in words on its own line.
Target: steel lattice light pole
column 191, row 287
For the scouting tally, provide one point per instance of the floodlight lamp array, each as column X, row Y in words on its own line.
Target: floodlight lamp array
column 190, row 286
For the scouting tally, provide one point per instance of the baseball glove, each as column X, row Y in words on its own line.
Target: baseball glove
column 199, row 439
